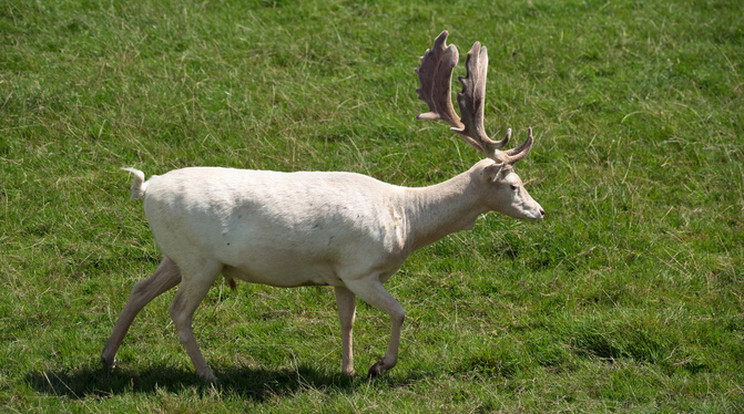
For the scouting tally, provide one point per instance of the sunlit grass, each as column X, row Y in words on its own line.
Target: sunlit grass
column 628, row 297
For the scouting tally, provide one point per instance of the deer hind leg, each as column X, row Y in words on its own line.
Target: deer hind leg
column 194, row 287
column 165, row 278
column 371, row 291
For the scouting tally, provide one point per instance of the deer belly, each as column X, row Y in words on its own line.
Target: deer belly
column 285, row 274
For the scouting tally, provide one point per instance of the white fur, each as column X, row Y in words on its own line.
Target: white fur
column 339, row 229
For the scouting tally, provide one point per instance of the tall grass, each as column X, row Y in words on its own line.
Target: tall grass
column 628, row 297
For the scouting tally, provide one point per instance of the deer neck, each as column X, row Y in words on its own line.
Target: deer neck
column 444, row 208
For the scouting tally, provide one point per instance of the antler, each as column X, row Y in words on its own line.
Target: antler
column 435, row 74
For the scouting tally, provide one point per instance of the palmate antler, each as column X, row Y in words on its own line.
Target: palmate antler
column 435, row 74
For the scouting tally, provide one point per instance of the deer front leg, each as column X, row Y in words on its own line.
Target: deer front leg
column 165, row 278
column 371, row 291
column 346, row 303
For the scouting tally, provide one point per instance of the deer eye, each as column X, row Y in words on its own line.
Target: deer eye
column 514, row 187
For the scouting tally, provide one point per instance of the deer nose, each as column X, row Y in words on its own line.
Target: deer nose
column 542, row 212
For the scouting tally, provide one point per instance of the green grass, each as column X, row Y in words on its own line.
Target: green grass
column 629, row 297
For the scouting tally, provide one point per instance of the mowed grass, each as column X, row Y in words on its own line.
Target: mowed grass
column 629, row 297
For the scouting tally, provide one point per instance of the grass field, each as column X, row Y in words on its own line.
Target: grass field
column 629, row 297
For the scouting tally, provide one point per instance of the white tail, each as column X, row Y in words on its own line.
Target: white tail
column 139, row 185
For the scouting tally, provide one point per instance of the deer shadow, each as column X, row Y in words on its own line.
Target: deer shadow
column 246, row 382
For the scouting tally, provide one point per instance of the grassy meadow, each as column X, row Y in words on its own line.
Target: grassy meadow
column 628, row 297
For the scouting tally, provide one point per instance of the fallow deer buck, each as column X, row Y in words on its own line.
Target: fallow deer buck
column 340, row 229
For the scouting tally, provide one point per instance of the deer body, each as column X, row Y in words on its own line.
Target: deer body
column 307, row 228
column 345, row 230
column 279, row 229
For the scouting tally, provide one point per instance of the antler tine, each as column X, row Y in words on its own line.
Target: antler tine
column 435, row 74
column 471, row 102
column 515, row 154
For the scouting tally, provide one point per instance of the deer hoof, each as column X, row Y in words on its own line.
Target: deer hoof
column 375, row 370
column 108, row 364
column 209, row 378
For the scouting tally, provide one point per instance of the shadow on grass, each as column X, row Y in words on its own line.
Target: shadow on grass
column 253, row 383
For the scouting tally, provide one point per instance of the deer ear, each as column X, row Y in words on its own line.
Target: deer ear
column 493, row 171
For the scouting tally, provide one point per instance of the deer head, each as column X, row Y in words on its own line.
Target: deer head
column 507, row 194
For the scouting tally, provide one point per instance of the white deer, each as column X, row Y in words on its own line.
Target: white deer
column 339, row 229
